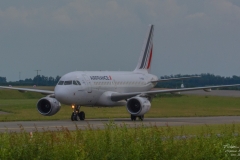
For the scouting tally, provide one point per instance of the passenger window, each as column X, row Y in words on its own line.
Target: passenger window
column 68, row 83
column 60, row 82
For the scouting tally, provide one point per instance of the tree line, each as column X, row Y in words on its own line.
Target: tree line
column 3, row 79
column 206, row 79
column 39, row 80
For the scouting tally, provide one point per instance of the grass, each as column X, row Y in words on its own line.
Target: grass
column 190, row 106
column 122, row 142
column 22, row 107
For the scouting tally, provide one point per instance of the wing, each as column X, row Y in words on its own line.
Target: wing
column 121, row 96
column 169, row 79
column 29, row 90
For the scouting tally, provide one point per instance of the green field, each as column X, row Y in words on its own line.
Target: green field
column 22, row 107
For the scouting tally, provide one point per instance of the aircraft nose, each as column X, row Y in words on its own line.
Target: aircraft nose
column 58, row 92
column 61, row 94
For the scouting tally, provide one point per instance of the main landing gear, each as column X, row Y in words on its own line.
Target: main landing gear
column 133, row 118
column 76, row 114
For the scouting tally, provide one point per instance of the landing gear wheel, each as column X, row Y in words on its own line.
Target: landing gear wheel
column 74, row 117
column 141, row 117
column 76, row 114
column 81, row 115
column 133, row 118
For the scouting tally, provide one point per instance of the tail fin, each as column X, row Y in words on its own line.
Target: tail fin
column 144, row 62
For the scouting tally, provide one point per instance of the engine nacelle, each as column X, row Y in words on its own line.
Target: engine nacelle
column 138, row 106
column 48, row 106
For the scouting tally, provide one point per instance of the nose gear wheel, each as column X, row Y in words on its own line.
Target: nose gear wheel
column 81, row 115
column 76, row 114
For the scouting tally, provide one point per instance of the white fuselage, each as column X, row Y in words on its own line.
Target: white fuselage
column 96, row 87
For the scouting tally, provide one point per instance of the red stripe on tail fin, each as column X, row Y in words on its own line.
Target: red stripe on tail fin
column 150, row 59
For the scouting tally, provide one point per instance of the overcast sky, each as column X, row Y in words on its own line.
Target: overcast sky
column 60, row 36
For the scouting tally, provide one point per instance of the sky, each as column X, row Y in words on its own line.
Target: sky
column 59, row 36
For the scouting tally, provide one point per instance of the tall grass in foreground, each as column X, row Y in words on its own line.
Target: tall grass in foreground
column 121, row 142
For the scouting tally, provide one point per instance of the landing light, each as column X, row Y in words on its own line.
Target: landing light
column 73, row 106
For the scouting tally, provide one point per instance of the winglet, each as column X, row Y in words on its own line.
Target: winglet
column 144, row 62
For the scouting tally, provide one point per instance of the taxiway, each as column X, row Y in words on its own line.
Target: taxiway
column 31, row 126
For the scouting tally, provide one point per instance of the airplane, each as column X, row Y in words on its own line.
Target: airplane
column 109, row 88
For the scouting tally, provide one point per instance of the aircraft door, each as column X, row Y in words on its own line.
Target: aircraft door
column 87, row 83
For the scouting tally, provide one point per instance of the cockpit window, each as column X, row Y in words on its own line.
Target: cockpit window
column 68, row 83
column 75, row 83
column 78, row 82
column 60, row 82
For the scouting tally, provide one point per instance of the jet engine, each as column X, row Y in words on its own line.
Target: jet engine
column 138, row 106
column 48, row 106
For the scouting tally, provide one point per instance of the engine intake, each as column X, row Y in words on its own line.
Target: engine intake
column 138, row 106
column 48, row 106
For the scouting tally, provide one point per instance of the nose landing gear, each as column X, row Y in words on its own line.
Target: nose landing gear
column 76, row 114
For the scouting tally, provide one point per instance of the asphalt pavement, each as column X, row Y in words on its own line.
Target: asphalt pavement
column 31, row 126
